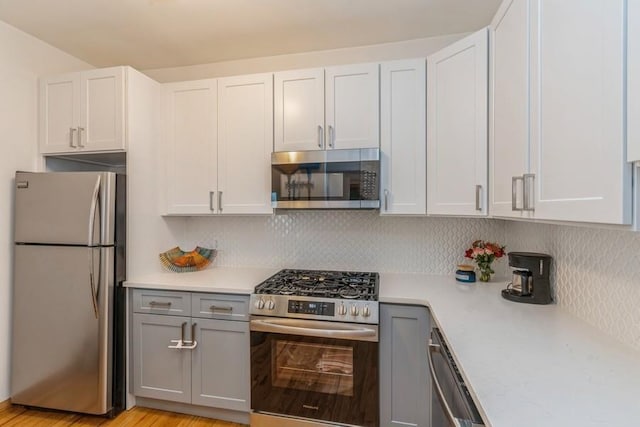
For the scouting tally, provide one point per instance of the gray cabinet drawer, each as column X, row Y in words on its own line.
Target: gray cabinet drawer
column 161, row 302
column 220, row 306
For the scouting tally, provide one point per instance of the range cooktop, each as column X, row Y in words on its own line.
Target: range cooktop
column 320, row 283
column 350, row 296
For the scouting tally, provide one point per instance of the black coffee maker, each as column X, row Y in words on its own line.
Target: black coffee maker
column 530, row 279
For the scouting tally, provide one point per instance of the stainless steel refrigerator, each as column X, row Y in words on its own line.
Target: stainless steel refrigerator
column 68, row 300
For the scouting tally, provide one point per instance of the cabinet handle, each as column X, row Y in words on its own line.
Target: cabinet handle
column 320, row 136
column 221, row 308
column 154, row 304
column 80, row 129
column 211, row 194
column 386, row 200
column 71, row 131
column 527, row 192
column 183, row 344
column 331, row 136
column 514, row 192
column 478, row 199
column 219, row 201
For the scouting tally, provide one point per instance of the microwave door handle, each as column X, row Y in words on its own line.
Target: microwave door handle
column 435, row 348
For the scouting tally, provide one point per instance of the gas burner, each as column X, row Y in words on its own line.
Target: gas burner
column 350, row 293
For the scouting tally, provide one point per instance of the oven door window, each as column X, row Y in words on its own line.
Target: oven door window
column 312, row 367
column 326, row 379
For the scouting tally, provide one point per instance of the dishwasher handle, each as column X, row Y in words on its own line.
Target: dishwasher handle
column 435, row 348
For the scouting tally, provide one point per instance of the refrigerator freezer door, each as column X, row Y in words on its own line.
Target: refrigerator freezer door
column 60, row 352
column 69, row 208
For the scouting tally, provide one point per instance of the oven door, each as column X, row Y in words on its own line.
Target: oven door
column 316, row 370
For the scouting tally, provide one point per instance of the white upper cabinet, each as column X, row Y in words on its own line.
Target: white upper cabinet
column 558, row 113
column 633, row 80
column 457, row 146
column 578, row 149
column 83, row 112
column 299, row 110
column 403, row 137
column 352, row 106
column 326, row 109
column 245, row 142
column 191, row 146
column 509, row 125
column 219, row 137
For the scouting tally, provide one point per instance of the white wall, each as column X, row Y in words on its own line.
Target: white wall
column 417, row 48
column 22, row 59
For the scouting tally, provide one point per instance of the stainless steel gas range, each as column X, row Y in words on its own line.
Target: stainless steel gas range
column 314, row 349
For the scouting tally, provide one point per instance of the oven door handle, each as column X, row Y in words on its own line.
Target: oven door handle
column 313, row 328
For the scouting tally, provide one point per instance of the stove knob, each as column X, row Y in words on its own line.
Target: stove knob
column 259, row 304
column 366, row 312
column 354, row 310
column 271, row 305
column 342, row 310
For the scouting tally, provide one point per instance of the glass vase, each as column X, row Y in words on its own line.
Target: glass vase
column 485, row 271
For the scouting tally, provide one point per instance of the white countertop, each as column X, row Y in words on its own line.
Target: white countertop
column 527, row 365
column 215, row 279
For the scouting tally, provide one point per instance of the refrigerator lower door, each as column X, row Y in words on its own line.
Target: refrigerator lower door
column 62, row 327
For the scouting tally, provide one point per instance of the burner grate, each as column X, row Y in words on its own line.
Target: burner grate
column 325, row 284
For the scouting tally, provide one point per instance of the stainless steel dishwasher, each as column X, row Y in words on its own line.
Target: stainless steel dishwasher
column 452, row 405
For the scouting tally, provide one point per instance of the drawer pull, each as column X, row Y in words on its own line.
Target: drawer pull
column 154, row 304
column 228, row 309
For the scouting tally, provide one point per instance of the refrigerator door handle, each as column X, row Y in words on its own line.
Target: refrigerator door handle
column 93, row 284
column 95, row 201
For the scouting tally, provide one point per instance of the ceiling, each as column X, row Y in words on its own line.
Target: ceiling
column 150, row 34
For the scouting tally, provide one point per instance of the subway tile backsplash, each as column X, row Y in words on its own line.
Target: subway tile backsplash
column 596, row 271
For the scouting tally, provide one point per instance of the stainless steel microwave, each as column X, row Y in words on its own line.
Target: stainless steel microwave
column 331, row 179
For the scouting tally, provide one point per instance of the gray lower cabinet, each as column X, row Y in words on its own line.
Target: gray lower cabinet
column 220, row 370
column 160, row 372
column 215, row 373
column 405, row 382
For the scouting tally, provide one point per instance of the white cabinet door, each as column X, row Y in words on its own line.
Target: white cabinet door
column 457, row 128
column 59, row 113
column 102, row 110
column 403, row 137
column 191, row 146
column 83, row 112
column 633, row 80
column 577, row 87
column 245, row 142
column 352, row 106
column 299, row 110
column 509, row 125
column 220, row 369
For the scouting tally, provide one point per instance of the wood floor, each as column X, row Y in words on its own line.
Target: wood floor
column 18, row 416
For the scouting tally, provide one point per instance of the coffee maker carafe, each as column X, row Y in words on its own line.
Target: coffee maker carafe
column 530, row 278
